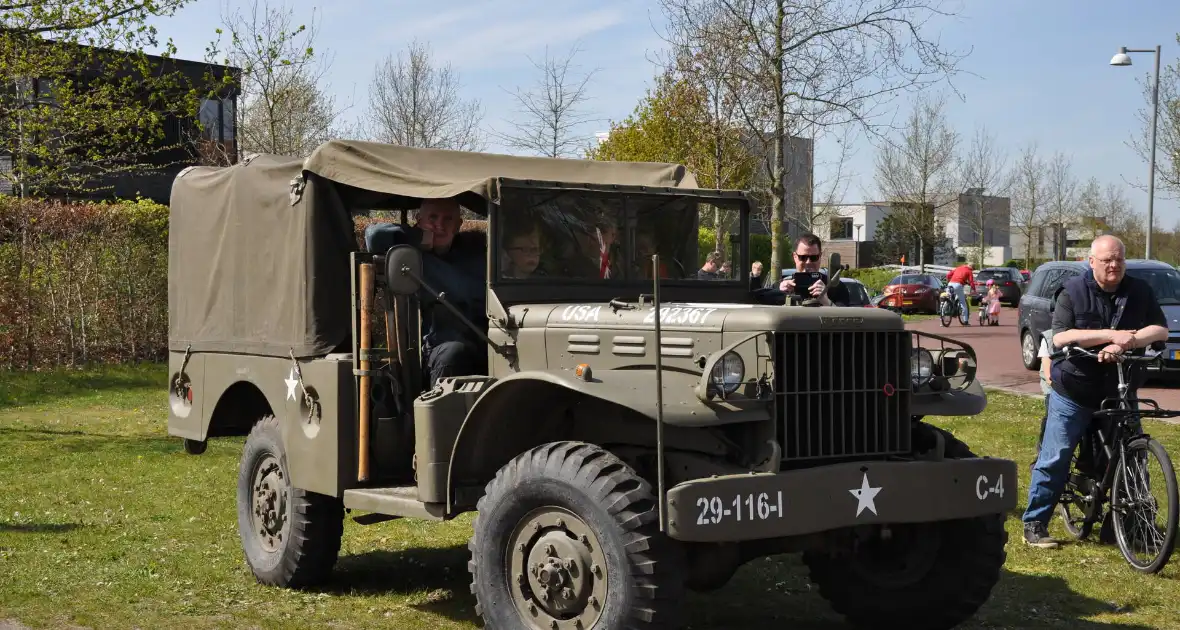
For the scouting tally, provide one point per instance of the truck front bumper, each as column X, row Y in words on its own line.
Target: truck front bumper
column 798, row 502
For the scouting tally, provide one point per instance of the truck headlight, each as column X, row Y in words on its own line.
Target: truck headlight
column 921, row 366
column 728, row 373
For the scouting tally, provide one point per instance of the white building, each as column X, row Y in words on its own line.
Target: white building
column 974, row 215
column 850, row 229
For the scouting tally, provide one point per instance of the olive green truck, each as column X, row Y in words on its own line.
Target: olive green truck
column 642, row 429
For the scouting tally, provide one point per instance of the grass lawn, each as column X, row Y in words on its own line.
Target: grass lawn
column 106, row 523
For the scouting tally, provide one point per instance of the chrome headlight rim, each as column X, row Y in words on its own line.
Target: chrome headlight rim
column 921, row 367
column 729, row 365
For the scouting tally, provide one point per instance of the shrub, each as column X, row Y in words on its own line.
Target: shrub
column 82, row 282
column 874, row 278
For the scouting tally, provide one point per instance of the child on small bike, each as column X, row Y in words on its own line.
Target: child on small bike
column 992, row 300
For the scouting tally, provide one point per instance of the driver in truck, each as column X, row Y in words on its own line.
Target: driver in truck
column 455, row 264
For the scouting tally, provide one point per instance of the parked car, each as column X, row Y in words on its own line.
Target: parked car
column 1011, row 283
column 858, row 293
column 1035, row 314
column 913, row 293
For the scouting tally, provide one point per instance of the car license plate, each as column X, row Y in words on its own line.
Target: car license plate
column 1176, row 355
column 907, row 302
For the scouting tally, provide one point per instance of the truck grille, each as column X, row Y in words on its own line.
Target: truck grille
column 843, row 394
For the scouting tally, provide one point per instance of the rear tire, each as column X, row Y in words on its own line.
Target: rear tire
column 568, row 531
column 1028, row 351
column 1128, row 528
column 195, row 447
column 958, row 564
column 290, row 537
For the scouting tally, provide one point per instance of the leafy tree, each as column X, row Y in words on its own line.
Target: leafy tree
column 282, row 108
column 81, row 100
column 673, row 123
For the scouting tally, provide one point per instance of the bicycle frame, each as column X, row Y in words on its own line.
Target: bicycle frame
column 1119, row 409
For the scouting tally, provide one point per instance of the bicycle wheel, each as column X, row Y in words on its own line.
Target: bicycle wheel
column 1138, row 527
column 944, row 313
column 1077, row 500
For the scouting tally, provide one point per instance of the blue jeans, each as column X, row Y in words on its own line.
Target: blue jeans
column 1066, row 423
column 958, row 291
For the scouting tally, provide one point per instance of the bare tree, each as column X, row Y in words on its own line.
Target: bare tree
column 1167, row 130
column 821, row 198
column 1029, row 199
column 919, row 174
column 1061, row 198
column 984, row 168
column 551, row 112
column 414, row 103
column 721, row 136
column 796, row 64
column 283, row 109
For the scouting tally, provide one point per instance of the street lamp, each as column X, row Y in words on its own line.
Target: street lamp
column 1123, row 59
column 856, row 244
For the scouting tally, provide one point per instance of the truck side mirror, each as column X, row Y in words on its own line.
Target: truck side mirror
column 403, row 269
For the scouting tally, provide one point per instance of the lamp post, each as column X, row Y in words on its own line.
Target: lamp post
column 856, row 244
column 1123, row 59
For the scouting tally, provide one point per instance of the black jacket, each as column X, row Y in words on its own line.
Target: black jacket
column 1082, row 304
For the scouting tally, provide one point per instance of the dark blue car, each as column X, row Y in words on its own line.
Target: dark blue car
column 1036, row 314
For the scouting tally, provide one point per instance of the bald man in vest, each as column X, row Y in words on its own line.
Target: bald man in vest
column 1108, row 312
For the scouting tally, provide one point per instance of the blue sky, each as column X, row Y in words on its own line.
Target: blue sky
column 1041, row 67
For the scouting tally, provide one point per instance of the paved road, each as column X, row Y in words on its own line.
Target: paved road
column 1000, row 366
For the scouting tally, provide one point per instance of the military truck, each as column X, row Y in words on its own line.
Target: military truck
column 643, row 428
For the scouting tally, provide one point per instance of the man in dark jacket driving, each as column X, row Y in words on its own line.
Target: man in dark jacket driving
column 1105, row 311
column 453, row 266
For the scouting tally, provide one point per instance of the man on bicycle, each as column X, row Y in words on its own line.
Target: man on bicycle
column 956, row 281
column 1108, row 312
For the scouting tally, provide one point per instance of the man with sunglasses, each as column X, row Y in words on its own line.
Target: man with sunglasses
column 808, row 252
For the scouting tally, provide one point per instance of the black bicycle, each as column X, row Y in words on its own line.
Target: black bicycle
column 949, row 307
column 1109, row 469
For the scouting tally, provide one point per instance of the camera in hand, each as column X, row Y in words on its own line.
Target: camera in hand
column 803, row 281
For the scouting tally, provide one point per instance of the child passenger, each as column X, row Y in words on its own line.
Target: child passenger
column 522, row 249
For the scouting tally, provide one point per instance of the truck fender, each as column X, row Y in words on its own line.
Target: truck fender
column 509, row 418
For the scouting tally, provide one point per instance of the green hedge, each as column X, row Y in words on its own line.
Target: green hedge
column 82, row 283
column 759, row 246
column 872, row 277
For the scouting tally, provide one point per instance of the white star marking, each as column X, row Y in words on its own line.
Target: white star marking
column 865, row 496
column 291, row 382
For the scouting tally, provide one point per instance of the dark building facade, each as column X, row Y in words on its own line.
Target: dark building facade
column 208, row 138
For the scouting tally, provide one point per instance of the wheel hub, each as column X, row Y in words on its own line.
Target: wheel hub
column 902, row 558
column 557, row 571
column 270, row 503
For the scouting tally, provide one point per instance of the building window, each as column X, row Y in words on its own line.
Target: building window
column 210, row 117
column 217, row 119
column 841, row 229
column 228, row 121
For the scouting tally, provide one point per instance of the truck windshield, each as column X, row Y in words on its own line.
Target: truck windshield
column 588, row 237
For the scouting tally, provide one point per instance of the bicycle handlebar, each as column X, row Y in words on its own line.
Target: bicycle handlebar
column 1119, row 358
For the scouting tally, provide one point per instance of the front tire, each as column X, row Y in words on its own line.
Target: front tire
column 1131, row 531
column 929, row 576
column 290, row 537
column 568, row 532
column 944, row 314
